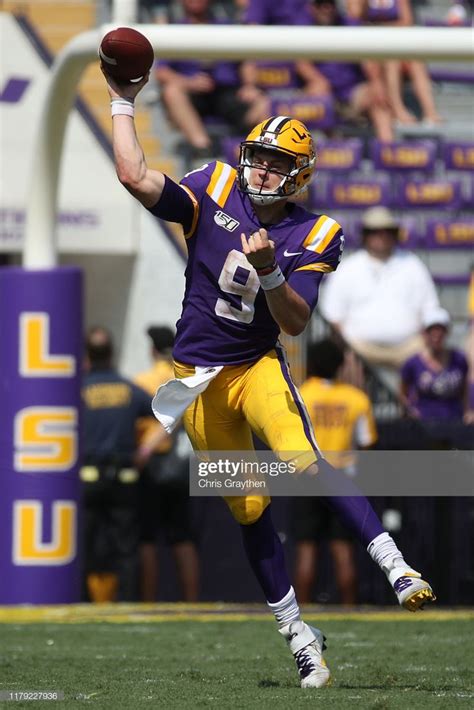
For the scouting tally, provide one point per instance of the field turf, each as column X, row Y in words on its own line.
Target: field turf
column 134, row 657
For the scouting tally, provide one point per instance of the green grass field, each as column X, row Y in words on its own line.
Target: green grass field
column 133, row 658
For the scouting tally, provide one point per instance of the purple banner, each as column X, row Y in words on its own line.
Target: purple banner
column 459, row 156
column 404, row 155
column 441, row 192
column 364, row 192
column 313, row 111
column 450, row 233
column 276, row 75
column 40, row 362
column 339, row 155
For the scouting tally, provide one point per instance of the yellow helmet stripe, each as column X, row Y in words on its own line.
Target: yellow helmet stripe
column 319, row 266
column 221, row 183
column 321, row 234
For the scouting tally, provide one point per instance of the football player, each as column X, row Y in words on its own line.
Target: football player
column 255, row 263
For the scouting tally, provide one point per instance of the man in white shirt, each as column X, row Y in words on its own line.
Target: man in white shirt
column 378, row 296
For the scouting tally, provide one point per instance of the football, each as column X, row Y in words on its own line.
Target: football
column 126, row 54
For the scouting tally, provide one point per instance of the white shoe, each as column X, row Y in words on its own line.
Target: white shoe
column 306, row 645
column 412, row 591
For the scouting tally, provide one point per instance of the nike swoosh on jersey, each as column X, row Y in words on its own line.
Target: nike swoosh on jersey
column 291, row 253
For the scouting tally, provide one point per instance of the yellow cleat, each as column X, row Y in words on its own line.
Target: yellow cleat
column 412, row 591
column 418, row 599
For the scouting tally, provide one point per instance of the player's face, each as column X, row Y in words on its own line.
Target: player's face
column 268, row 169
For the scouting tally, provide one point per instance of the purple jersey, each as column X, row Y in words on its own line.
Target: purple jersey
column 225, row 318
column 268, row 12
column 383, row 10
column 436, row 394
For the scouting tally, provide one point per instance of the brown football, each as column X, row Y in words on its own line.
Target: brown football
column 126, row 54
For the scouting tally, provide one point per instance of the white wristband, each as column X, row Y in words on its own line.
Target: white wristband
column 122, row 107
column 270, row 281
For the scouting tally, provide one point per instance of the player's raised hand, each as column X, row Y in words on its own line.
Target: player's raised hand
column 259, row 249
column 124, row 90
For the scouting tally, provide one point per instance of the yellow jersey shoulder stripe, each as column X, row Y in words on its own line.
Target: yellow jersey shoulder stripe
column 196, row 211
column 321, row 234
column 221, row 183
column 319, row 266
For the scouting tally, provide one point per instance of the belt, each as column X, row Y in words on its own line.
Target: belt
column 91, row 474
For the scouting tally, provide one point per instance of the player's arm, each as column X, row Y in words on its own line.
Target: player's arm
column 289, row 310
column 314, row 81
column 156, row 191
column 132, row 171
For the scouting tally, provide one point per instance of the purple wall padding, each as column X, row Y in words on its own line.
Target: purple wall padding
column 40, row 373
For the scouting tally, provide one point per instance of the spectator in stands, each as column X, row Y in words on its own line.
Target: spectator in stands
column 358, row 88
column 399, row 13
column 164, row 500
column 379, row 295
column 193, row 90
column 457, row 15
column 342, row 417
column 434, row 382
column 111, row 408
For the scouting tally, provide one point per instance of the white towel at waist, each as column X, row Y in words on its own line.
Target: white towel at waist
column 174, row 397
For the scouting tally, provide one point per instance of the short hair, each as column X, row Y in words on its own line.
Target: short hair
column 99, row 346
column 324, row 359
column 162, row 337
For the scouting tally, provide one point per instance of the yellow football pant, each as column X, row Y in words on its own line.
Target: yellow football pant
column 258, row 396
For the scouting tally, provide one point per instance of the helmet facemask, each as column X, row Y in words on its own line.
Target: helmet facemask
column 294, row 178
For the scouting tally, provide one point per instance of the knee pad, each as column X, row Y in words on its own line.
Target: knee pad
column 246, row 510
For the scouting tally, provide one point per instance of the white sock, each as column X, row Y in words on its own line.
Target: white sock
column 385, row 553
column 286, row 610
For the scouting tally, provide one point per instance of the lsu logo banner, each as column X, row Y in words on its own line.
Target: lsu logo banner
column 459, row 156
column 445, row 192
column 276, row 75
column 458, row 232
column 314, row 111
column 358, row 193
column 416, row 155
column 339, row 155
column 41, row 326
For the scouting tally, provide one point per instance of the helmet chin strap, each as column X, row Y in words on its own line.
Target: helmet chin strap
column 259, row 197
column 264, row 199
